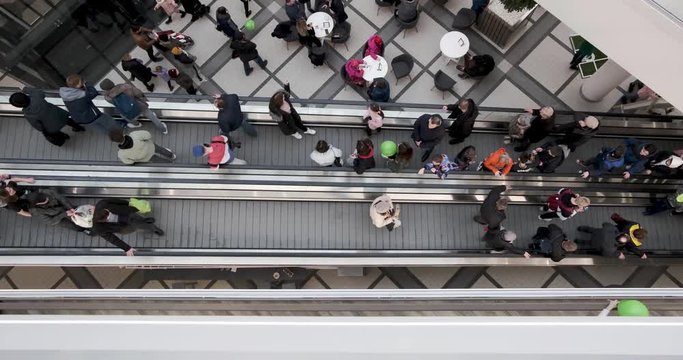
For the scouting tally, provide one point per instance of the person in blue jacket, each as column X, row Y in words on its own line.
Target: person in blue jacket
column 230, row 116
column 606, row 161
column 379, row 90
column 638, row 153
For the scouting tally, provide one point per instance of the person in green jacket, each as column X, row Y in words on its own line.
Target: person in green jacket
column 585, row 49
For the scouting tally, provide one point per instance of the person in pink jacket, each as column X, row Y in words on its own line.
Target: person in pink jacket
column 374, row 47
column 354, row 70
column 373, row 118
column 170, row 7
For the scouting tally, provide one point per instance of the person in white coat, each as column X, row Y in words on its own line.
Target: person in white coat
column 384, row 214
column 326, row 154
column 138, row 147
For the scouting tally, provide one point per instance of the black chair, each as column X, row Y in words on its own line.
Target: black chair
column 443, row 82
column 464, row 19
column 381, row 4
column 402, row 65
column 341, row 34
column 410, row 24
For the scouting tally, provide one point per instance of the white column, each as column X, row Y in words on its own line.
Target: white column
column 606, row 79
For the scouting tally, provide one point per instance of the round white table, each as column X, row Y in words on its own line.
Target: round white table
column 454, row 45
column 322, row 24
column 373, row 69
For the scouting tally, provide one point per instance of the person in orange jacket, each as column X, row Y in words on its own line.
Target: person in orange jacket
column 499, row 162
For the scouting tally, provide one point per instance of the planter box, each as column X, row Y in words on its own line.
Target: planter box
column 499, row 25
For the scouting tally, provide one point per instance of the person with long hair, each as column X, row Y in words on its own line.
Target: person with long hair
column 286, row 116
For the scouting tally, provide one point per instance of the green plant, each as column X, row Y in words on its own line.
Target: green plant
column 518, row 5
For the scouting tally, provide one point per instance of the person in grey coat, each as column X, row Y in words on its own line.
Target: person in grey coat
column 78, row 96
column 52, row 208
column 43, row 116
column 111, row 91
column 230, row 116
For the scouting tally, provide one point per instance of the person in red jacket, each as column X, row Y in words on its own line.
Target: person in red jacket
column 564, row 205
column 499, row 162
column 218, row 153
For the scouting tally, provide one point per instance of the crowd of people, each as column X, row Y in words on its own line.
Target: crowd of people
column 528, row 134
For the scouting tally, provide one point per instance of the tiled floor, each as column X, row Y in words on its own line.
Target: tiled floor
column 373, row 278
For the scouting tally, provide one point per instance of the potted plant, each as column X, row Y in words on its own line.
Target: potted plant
column 518, row 5
column 502, row 18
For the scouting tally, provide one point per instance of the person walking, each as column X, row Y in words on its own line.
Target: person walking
column 584, row 50
column 464, row 114
column 183, row 80
column 638, row 154
column 500, row 240
column 246, row 51
column 186, row 61
column 138, row 147
column 428, row 131
column 608, row 241
column 492, row 210
column 578, row 132
column 633, row 230
column 138, row 71
column 363, row 158
column 219, row 152
column 146, row 39
column 230, row 115
column 43, row 116
column 542, row 123
column 77, row 97
column 194, row 8
column 170, row 7
column 384, row 214
column 225, row 23
column 498, row 162
column 247, row 12
column 131, row 103
column 373, row 118
column 286, row 116
column 673, row 202
column 52, row 208
column 114, row 216
column 552, row 242
column 401, row 159
column 326, row 155
column 379, row 90
column 563, row 205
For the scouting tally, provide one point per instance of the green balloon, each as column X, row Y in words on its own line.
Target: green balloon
column 250, row 25
column 388, row 148
column 632, row 308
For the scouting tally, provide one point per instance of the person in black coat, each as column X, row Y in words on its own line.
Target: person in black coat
column 608, row 241
column 246, row 51
column 665, row 164
column 428, row 131
column 225, row 23
column 579, row 132
column 541, row 125
column 230, row 116
column 552, row 242
column 464, row 114
column 43, row 116
column 548, row 157
column 337, row 7
column 194, row 8
column 499, row 240
column 138, row 71
column 492, row 210
column 117, row 216
column 286, row 116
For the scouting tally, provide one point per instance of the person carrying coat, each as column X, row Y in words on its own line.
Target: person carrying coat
column 428, row 131
column 464, row 114
column 138, row 147
column 114, row 216
column 492, row 210
column 230, row 116
column 500, row 240
column 138, row 71
column 246, row 51
column 77, row 97
column 286, row 116
column 131, row 103
column 542, row 123
column 384, row 214
column 43, row 116
column 552, row 242
column 225, row 24
column 52, row 208
column 579, row 132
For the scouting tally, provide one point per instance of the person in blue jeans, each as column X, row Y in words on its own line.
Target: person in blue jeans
column 78, row 96
column 230, row 116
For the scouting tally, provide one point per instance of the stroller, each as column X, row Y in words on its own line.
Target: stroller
column 171, row 39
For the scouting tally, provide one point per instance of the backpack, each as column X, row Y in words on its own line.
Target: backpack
column 127, row 106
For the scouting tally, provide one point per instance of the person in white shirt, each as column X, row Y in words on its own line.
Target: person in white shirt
column 384, row 214
column 326, row 155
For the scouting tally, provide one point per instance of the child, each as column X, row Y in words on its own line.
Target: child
column 373, row 119
column 440, row 166
column 183, row 80
column 326, row 155
column 162, row 72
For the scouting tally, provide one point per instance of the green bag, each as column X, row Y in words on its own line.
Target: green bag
column 143, row 206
